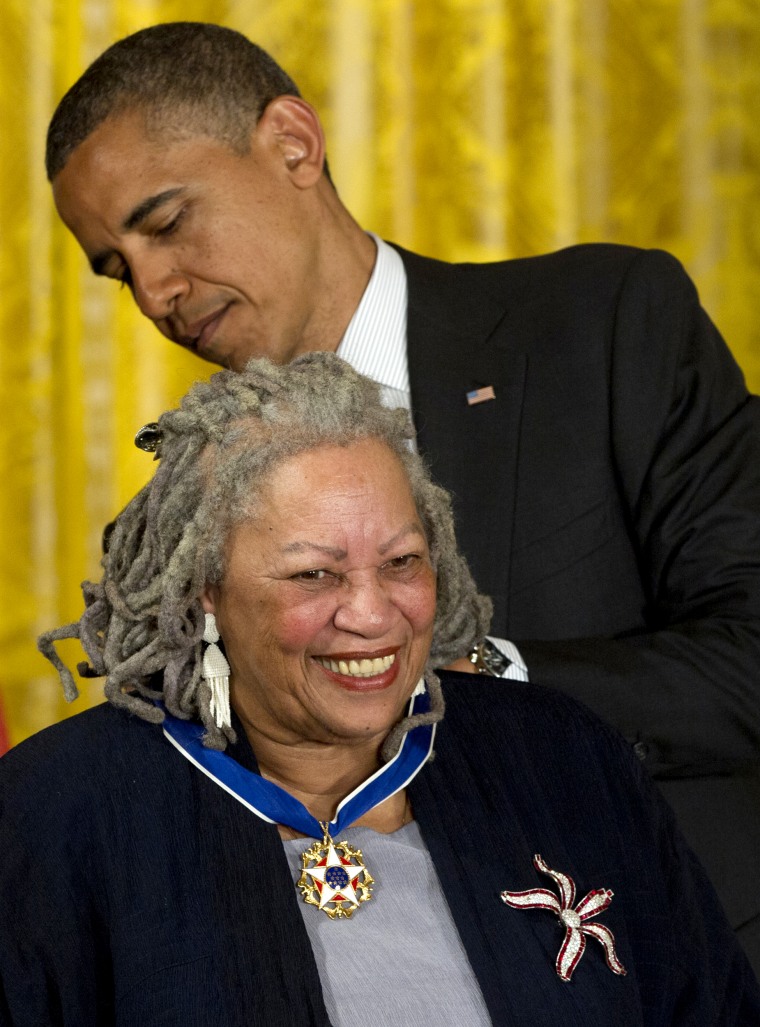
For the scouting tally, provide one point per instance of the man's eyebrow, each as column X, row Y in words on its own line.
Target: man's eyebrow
column 133, row 220
column 144, row 209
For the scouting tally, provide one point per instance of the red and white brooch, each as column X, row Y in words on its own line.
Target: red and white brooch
column 572, row 918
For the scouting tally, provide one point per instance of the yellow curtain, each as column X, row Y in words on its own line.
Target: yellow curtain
column 464, row 129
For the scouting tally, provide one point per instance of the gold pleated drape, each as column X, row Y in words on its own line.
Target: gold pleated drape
column 464, row 129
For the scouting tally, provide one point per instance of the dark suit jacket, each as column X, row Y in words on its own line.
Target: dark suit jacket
column 608, row 500
column 134, row 891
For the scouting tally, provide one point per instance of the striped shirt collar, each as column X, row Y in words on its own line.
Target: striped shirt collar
column 375, row 340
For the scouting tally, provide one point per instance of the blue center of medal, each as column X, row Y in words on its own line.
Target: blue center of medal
column 336, row 877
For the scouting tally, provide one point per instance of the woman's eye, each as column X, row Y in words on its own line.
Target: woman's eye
column 316, row 575
column 401, row 563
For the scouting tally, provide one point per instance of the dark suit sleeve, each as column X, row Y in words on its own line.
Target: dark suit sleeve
column 709, row 976
column 686, row 453
column 712, row 980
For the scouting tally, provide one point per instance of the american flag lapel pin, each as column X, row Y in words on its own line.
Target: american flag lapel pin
column 480, row 395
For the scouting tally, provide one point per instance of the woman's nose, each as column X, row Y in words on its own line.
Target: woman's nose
column 365, row 608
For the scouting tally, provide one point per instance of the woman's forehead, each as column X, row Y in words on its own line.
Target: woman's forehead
column 357, row 468
column 331, row 492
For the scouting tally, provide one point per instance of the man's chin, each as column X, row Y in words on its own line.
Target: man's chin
column 208, row 354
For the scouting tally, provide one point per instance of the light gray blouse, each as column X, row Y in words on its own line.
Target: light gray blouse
column 399, row 961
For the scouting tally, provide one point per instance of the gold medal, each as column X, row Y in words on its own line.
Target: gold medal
column 334, row 877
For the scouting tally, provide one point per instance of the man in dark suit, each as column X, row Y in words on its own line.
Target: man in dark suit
column 602, row 449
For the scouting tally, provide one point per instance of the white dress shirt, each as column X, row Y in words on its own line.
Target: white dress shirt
column 375, row 345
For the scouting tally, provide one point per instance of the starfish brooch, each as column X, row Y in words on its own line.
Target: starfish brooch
column 572, row 918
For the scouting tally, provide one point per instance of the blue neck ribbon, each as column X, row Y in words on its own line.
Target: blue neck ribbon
column 273, row 804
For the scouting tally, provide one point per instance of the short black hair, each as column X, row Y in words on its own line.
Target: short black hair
column 205, row 77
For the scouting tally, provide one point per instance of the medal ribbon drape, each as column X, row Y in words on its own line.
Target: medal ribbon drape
column 334, row 877
column 273, row 804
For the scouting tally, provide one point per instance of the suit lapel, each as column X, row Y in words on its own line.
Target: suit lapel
column 457, row 341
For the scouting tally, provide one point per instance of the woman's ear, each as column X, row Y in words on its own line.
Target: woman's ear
column 209, row 597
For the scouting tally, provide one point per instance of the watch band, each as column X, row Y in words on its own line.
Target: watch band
column 487, row 659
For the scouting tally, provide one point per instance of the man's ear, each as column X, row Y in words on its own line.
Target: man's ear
column 293, row 127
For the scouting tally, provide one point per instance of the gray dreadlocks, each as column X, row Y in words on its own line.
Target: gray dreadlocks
column 143, row 621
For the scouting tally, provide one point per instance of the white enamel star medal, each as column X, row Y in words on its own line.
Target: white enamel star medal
column 334, row 877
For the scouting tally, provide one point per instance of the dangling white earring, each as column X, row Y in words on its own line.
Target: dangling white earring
column 216, row 673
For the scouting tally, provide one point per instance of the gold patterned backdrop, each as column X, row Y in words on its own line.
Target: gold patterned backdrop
column 464, row 129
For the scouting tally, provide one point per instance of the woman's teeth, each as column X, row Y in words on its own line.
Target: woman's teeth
column 358, row 668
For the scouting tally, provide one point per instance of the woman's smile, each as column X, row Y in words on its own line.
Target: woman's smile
column 362, row 673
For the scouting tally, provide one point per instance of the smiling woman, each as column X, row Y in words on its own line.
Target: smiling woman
column 287, row 500
column 327, row 604
column 273, row 609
